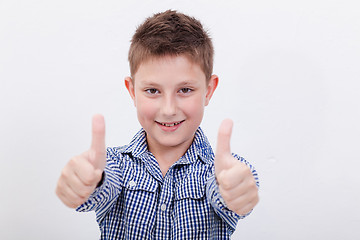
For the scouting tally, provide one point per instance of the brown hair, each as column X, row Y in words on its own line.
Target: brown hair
column 171, row 33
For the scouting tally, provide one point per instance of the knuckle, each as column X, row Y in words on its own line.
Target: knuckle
column 243, row 211
column 98, row 175
column 85, row 193
column 253, row 187
column 86, row 179
column 256, row 198
column 73, row 161
column 256, row 201
column 226, row 184
column 76, row 202
column 89, row 178
column 71, row 205
column 68, row 203
column 58, row 192
column 58, row 188
column 64, row 174
column 244, row 170
column 225, row 195
column 80, row 201
column 232, row 206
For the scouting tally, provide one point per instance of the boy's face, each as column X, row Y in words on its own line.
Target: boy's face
column 170, row 94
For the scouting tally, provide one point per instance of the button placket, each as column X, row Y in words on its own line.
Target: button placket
column 163, row 207
column 165, row 193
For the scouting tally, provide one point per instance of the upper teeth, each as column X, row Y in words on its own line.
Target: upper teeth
column 170, row 125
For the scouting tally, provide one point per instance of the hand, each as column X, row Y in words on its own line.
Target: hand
column 236, row 183
column 82, row 173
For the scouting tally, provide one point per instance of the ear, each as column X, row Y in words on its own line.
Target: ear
column 130, row 87
column 212, row 85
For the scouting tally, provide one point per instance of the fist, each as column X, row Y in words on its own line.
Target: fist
column 82, row 173
column 236, row 183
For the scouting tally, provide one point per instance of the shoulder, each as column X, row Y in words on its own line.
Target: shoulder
column 115, row 152
column 137, row 146
column 115, row 157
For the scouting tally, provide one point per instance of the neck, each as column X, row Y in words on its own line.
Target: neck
column 167, row 156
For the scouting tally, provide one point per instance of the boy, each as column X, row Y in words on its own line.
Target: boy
column 167, row 183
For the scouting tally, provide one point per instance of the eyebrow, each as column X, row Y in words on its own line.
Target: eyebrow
column 187, row 82
column 149, row 83
column 183, row 83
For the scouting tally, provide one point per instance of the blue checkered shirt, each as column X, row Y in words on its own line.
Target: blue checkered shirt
column 135, row 201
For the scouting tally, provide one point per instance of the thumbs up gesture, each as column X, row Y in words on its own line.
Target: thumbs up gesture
column 82, row 173
column 236, row 183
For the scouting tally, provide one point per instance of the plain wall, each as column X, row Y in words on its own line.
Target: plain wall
column 289, row 78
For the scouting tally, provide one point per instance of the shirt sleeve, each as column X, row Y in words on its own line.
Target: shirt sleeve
column 217, row 201
column 107, row 192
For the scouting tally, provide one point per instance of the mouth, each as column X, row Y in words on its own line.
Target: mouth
column 171, row 124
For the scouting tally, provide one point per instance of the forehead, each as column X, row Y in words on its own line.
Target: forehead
column 174, row 68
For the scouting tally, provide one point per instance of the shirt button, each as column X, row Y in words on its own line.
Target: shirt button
column 132, row 183
column 163, row 207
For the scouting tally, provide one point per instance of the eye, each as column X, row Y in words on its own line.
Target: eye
column 185, row 90
column 152, row 91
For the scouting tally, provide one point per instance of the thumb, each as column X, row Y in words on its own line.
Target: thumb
column 223, row 154
column 97, row 149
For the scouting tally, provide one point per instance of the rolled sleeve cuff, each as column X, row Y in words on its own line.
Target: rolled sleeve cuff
column 103, row 196
column 218, row 203
column 95, row 197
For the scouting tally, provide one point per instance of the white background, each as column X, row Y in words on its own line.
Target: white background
column 289, row 73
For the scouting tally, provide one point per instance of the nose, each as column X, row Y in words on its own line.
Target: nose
column 168, row 105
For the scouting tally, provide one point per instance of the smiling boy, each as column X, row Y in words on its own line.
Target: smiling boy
column 167, row 183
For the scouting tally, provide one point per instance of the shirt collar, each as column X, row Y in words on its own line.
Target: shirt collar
column 138, row 144
column 200, row 147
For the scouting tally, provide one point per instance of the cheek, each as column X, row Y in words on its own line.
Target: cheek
column 195, row 106
column 145, row 109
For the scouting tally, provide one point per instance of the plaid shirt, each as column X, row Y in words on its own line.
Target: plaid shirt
column 135, row 201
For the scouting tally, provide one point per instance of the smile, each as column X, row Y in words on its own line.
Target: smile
column 170, row 124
